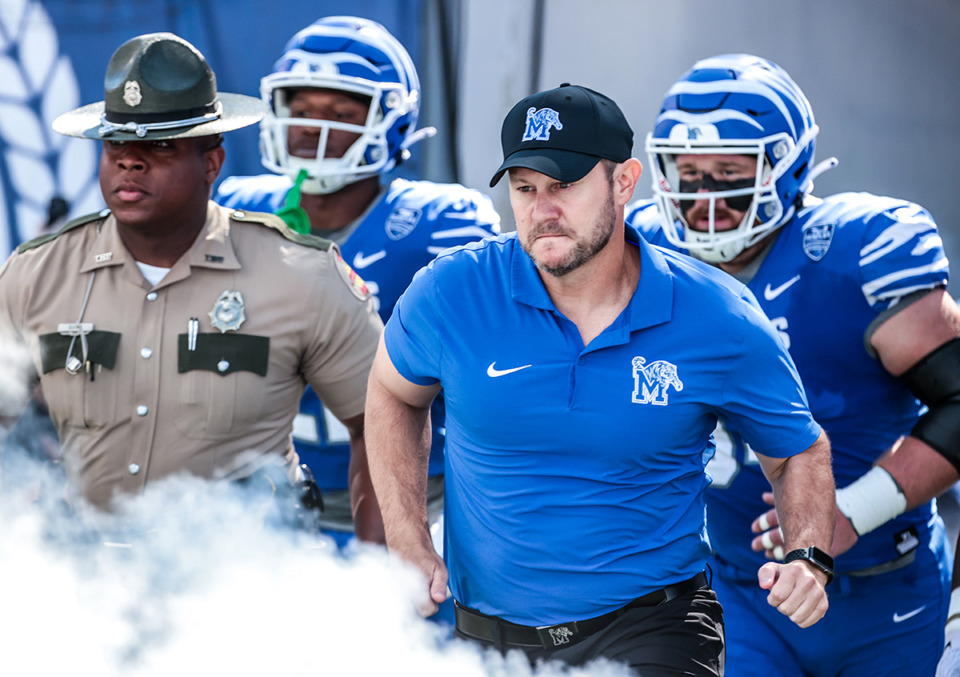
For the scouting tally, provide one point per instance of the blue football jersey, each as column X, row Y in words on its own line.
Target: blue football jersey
column 832, row 270
column 408, row 225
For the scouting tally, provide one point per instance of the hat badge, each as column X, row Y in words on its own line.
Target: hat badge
column 131, row 93
column 539, row 123
column 227, row 314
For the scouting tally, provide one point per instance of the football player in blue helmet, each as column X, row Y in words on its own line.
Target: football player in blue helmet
column 355, row 61
column 344, row 99
column 856, row 286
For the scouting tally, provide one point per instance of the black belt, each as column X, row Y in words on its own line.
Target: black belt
column 489, row 628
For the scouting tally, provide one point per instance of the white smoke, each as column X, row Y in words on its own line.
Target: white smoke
column 189, row 579
column 197, row 578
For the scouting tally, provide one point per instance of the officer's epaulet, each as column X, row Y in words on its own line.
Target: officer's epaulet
column 279, row 225
column 70, row 225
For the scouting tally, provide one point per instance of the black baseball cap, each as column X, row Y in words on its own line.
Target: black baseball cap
column 564, row 133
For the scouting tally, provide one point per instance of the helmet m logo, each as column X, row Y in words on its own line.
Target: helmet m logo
column 693, row 133
column 539, row 123
column 652, row 381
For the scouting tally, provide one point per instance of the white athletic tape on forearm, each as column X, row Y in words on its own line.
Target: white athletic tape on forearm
column 872, row 500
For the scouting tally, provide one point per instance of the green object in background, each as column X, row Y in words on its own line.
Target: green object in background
column 291, row 212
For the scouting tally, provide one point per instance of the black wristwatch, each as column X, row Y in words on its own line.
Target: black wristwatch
column 817, row 557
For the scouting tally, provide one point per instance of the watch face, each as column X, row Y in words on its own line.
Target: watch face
column 816, row 557
column 819, row 556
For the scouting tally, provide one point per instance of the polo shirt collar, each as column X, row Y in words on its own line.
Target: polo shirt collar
column 651, row 304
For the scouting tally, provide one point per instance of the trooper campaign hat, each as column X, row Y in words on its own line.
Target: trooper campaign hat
column 564, row 133
column 159, row 86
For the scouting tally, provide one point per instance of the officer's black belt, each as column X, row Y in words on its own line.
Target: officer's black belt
column 480, row 626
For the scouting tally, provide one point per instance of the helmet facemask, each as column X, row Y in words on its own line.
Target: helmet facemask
column 763, row 213
column 358, row 58
column 367, row 156
column 733, row 104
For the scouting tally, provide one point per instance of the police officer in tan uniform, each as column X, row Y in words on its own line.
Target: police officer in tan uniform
column 171, row 334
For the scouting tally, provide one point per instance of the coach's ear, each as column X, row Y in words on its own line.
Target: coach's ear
column 625, row 179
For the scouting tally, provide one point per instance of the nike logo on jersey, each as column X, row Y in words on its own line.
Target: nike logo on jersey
column 493, row 372
column 770, row 294
column 361, row 261
column 897, row 618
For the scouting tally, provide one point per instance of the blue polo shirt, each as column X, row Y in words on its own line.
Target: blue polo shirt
column 575, row 474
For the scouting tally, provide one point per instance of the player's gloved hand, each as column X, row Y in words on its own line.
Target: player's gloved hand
column 949, row 665
column 770, row 540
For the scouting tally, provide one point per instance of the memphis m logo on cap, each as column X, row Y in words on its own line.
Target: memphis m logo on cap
column 593, row 128
column 539, row 123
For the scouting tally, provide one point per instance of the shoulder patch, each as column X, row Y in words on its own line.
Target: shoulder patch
column 279, row 225
column 356, row 284
column 70, row 225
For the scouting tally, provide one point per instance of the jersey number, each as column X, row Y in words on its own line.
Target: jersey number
column 780, row 324
column 732, row 453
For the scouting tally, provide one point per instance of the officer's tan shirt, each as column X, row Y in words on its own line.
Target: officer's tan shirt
column 152, row 402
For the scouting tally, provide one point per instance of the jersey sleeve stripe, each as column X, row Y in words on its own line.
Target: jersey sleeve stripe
column 472, row 232
column 896, row 235
column 929, row 271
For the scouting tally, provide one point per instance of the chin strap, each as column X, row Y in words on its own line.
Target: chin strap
column 417, row 136
column 291, row 211
column 818, row 169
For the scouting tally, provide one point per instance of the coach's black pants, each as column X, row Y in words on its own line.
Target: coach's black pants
column 683, row 636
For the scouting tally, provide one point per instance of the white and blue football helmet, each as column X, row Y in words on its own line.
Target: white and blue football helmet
column 734, row 104
column 353, row 55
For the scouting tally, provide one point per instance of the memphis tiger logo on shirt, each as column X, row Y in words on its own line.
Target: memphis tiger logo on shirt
column 652, row 382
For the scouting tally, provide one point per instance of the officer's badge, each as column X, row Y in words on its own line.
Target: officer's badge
column 131, row 93
column 356, row 284
column 227, row 314
column 401, row 222
column 817, row 238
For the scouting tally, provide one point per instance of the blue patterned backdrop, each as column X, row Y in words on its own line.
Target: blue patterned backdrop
column 53, row 54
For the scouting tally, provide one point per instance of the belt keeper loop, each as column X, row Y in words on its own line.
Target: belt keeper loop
column 496, row 629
